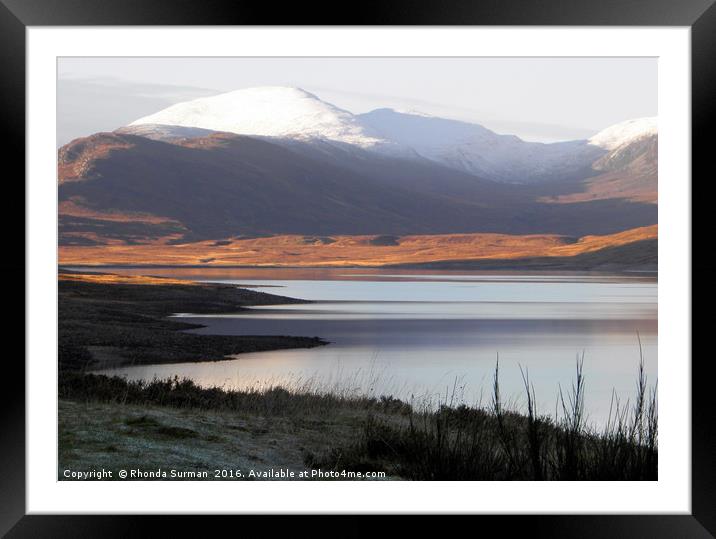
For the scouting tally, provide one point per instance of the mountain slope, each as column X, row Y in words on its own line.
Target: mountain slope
column 225, row 185
column 629, row 171
column 477, row 150
column 119, row 188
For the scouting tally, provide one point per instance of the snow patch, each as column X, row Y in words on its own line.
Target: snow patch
column 274, row 111
column 625, row 133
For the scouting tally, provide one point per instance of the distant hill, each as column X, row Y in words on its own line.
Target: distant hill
column 474, row 149
column 638, row 256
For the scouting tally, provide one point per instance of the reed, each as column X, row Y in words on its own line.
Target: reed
column 447, row 441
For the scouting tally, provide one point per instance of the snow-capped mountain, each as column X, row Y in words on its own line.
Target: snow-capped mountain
column 282, row 161
column 290, row 115
column 275, row 111
column 475, row 149
column 626, row 132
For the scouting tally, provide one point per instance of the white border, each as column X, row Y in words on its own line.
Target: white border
column 670, row 494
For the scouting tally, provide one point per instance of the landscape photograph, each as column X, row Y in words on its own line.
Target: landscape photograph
column 359, row 268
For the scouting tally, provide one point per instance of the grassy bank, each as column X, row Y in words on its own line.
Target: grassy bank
column 492, row 444
column 109, row 423
column 348, row 433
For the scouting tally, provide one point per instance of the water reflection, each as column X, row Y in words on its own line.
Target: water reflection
column 427, row 334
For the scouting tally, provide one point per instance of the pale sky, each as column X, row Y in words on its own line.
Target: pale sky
column 538, row 99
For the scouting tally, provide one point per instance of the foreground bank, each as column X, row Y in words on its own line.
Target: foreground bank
column 173, row 429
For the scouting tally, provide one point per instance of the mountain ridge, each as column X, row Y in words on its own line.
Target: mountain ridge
column 286, row 114
column 224, row 185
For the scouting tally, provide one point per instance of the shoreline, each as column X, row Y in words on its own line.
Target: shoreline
column 537, row 269
column 104, row 325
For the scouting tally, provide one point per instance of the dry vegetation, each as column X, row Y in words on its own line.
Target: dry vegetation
column 337, row 251
column 113, row 423
column 110, row 278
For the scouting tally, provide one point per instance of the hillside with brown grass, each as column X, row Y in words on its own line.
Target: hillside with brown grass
column 123, row 189
column 336, row 251
column 629, row 173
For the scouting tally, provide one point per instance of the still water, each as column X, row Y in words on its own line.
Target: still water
column 435, row 335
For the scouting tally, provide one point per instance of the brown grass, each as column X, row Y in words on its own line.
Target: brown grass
column 75, row 207
column 121, row 279
column 610, row 185
column 76, row 158
column 295, row 250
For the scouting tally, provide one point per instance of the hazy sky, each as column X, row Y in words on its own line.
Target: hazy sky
column 541, row 99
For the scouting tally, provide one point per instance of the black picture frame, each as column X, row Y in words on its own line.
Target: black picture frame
column 699, row 15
